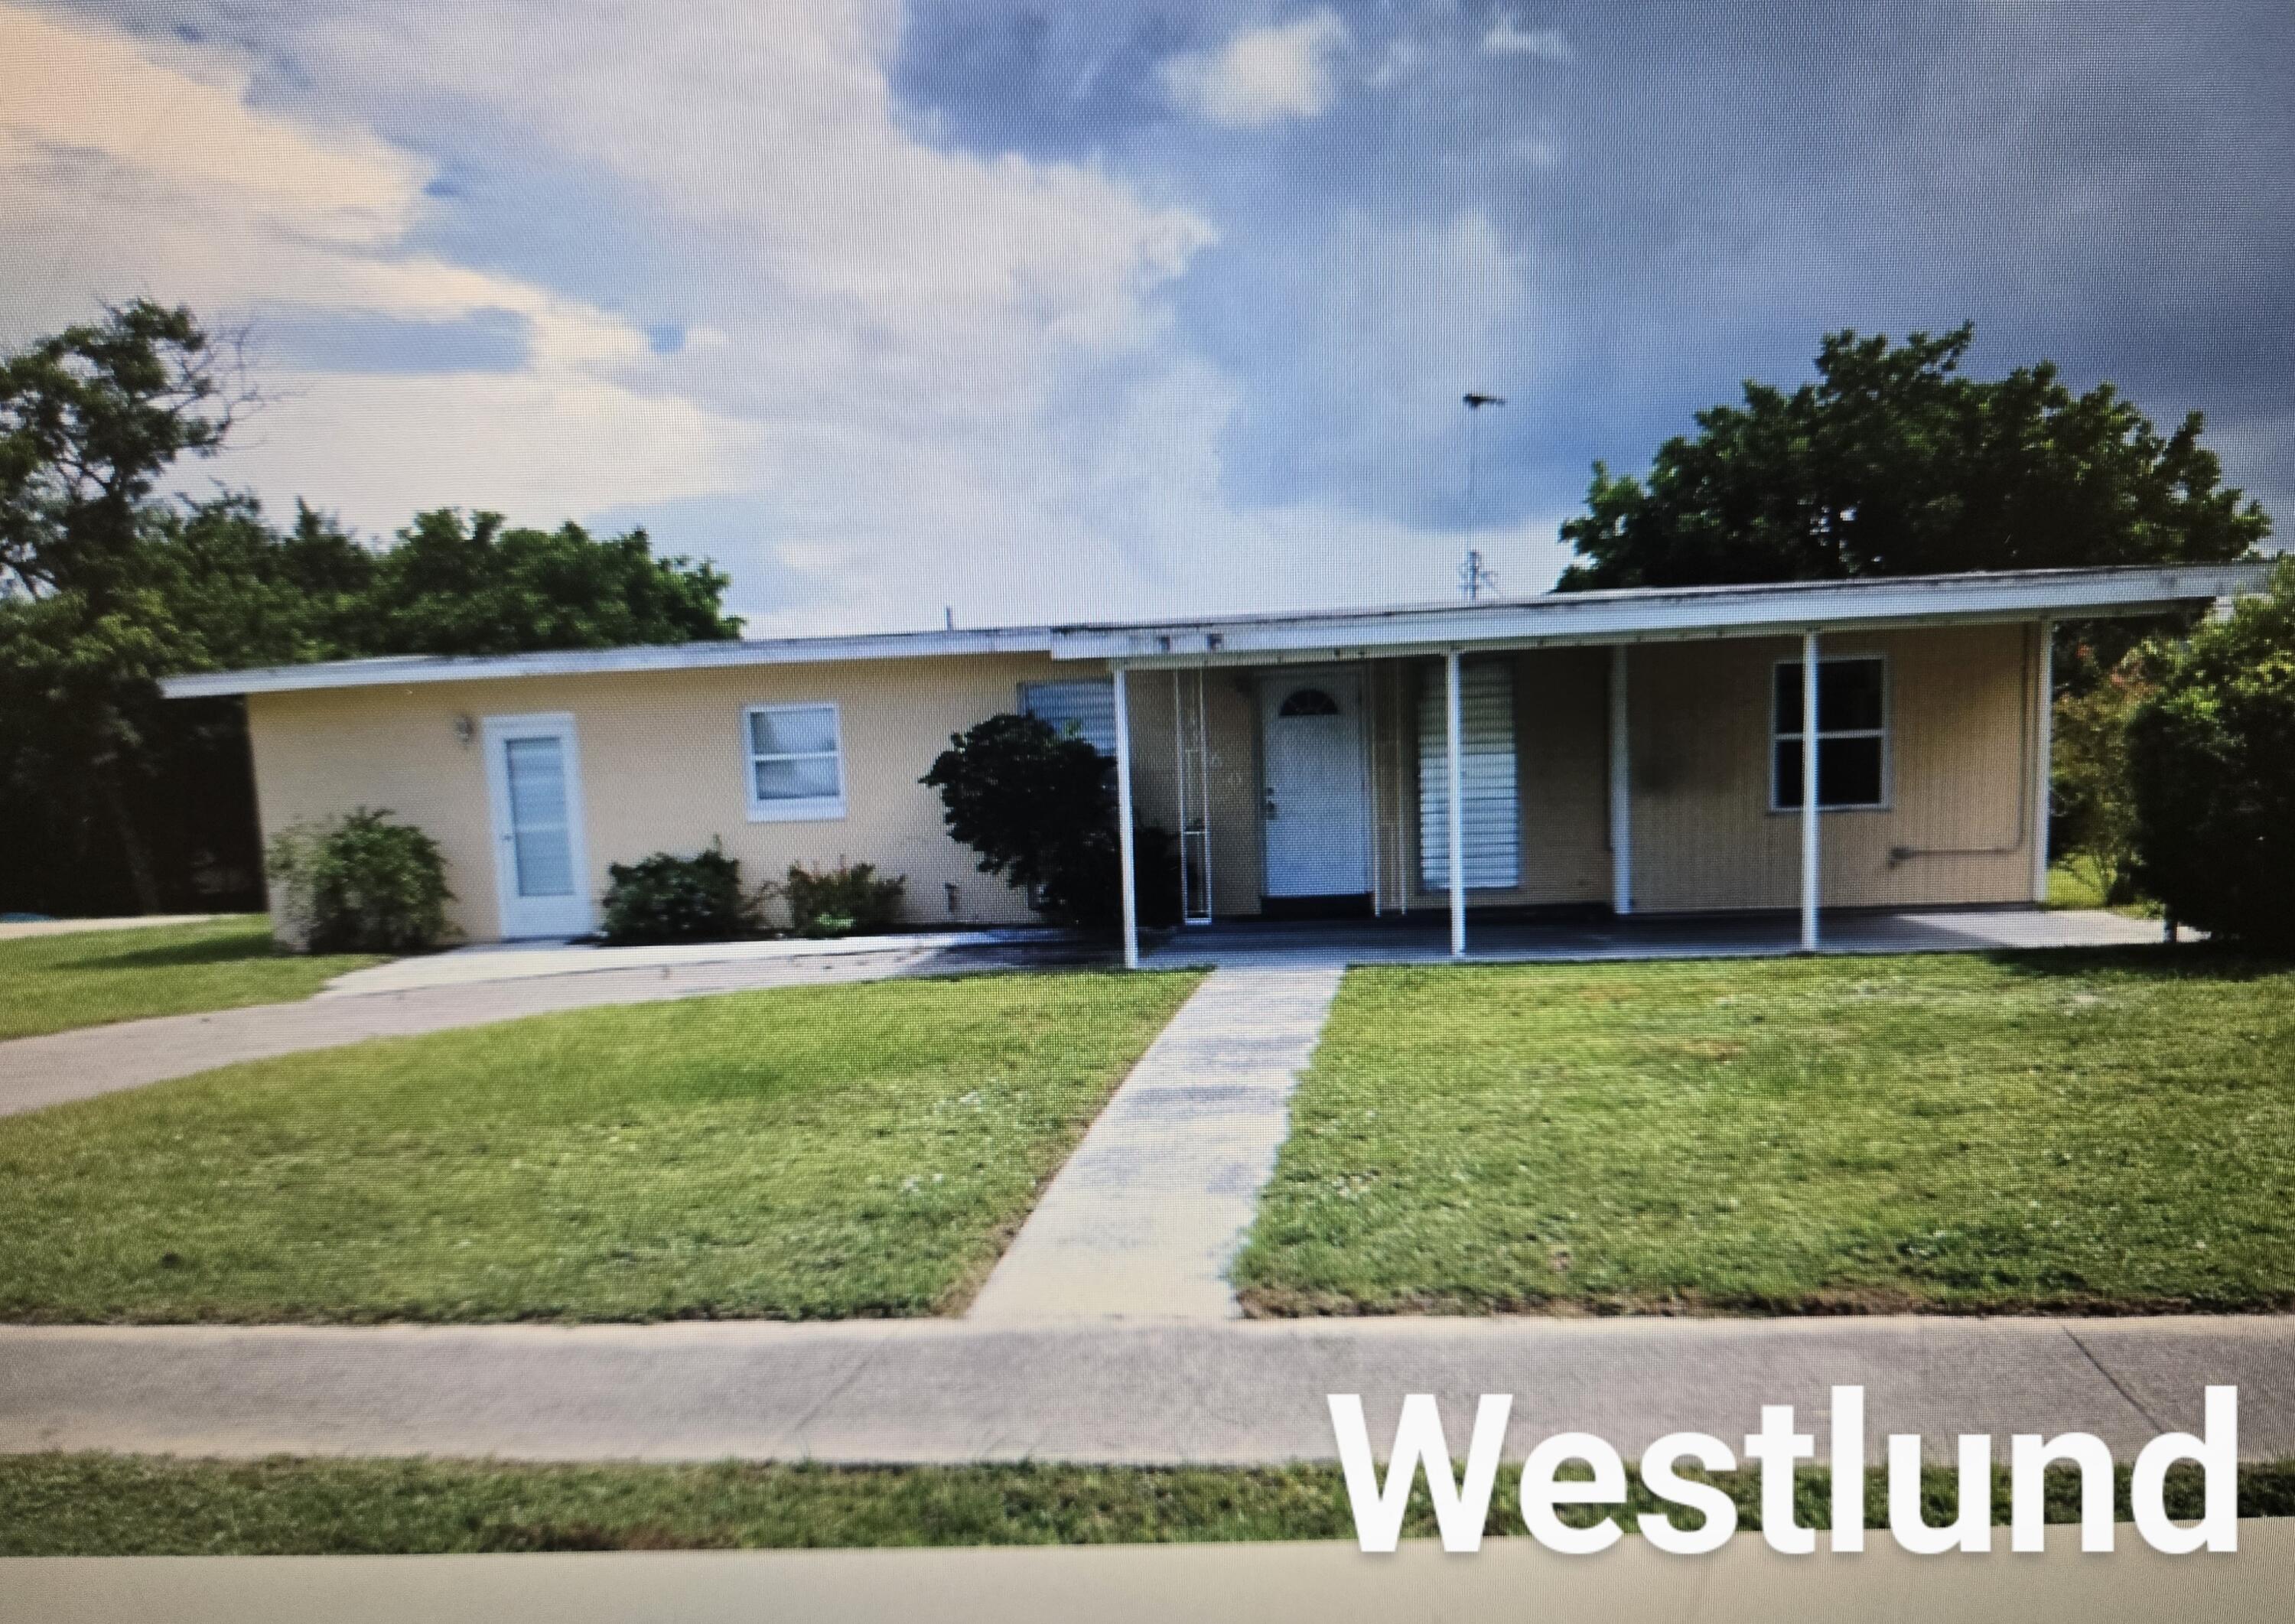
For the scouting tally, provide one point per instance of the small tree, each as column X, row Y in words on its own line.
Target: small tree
column 1039, row 806
column 2211, row 763
column 363, row 885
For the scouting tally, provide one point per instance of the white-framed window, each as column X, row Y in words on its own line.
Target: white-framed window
column 1086, row 705
column 795, row 761
column 1852, row 733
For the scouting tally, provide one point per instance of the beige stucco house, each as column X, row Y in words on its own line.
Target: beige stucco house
column 1638, row 751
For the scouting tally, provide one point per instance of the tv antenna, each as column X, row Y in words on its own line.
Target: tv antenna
column 1473, row 579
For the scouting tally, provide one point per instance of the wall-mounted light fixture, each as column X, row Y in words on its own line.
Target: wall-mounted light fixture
column 465, row 730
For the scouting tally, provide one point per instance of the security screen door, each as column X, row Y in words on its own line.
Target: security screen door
column 537, row 795
column 1318, row 826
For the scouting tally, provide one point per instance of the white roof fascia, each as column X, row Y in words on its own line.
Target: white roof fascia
column 399, row 670
column 1564, row 618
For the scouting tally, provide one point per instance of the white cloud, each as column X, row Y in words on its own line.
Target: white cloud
column 1263, row 76
column 1508, row 37
column 128, row 167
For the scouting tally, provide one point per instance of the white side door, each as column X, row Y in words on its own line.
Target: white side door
column 533, row 780
column 1316, row 812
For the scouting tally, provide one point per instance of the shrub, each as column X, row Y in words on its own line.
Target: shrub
column 2093, row 821
column 2211, row 765
column 668, row 898
column 362, row 885
column 1039, row 806
column 849, row 900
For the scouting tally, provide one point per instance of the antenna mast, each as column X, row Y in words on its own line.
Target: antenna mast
column 1472, row 578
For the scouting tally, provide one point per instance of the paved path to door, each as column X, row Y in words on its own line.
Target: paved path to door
column 1154, row 1203
column 65, row 1066
column 1237, row 1392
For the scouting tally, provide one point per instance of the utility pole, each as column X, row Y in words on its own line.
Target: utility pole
column 1472, row 576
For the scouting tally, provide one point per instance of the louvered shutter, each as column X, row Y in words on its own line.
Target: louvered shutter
column 1493, row 810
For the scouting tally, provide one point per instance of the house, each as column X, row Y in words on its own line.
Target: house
column 1640, row 751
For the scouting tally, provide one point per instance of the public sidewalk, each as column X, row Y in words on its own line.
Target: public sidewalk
column 1237, row 1392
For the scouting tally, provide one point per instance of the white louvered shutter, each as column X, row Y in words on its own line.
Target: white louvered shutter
column 1493, row 812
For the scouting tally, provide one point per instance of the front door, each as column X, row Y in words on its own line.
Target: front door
column 1316, row 821
column 533, row 780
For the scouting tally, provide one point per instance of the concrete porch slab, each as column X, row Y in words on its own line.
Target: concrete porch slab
column 1424, row 937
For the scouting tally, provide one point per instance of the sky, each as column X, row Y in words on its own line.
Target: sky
column 1011, row 312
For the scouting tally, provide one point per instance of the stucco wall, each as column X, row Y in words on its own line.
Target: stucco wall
column 662, row 768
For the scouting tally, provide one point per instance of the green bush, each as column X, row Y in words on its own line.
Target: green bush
column 2092, row 826
column 668, row 898
column 2211, row 767
column 849, row 900
column 1039, row 806
column 362, row 885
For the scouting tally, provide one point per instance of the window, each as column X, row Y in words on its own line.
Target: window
column 795, row 768
column 1852, row 734
column 1087, row 707
column 1309, row 702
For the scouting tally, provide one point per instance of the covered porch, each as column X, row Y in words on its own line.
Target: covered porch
column 1856, row 764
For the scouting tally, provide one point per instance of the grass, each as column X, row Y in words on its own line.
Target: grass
column 2104, row 1133
column 91, row 978
column 800, row 1153
column 2078, row 882
column 120, row 1505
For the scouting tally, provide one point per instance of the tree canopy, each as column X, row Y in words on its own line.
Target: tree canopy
column 110, row 797
column 1895, row 462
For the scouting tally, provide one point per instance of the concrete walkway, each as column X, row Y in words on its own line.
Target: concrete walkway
column 1154, row 1203
column 92, row 1060
column 1232, row 1393
column 493, row 961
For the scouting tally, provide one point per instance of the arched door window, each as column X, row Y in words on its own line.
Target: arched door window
column 1309, row 702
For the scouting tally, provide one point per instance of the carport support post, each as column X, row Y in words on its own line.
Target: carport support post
column 1123, row 821
column 1455, row 717
column 1809, row 848
column 2044, row 701
column 1622, row 797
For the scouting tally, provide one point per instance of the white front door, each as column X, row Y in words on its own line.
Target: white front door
column 533, row 780
column 1317, row 820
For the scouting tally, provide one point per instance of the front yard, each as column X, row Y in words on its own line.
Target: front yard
column 52, row 983
column 798, row 1153
column 2077, row 1132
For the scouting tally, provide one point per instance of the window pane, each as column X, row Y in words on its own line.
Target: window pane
column 799, row 730
column 1788, row 772
column 1784, row 710
column 802, row 779
column 1848, row 772
column 1848, row 695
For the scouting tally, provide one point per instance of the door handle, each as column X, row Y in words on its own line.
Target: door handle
column 1270, row 803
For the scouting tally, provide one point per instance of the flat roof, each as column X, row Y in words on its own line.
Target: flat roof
column 1634, row 615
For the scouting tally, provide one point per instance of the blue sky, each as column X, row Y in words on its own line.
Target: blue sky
column 1029, row 312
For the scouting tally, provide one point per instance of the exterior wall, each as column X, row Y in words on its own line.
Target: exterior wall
column 1960, row 773
column 663, row 768
column 1960, row 743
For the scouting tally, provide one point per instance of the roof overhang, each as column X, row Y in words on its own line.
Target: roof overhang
column 1657, row 615
column 402, row 670
column 1643, row 614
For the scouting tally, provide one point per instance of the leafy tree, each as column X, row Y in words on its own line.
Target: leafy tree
column 1039, row 806
column 2093, row 821
column 456, row 587
column 111, row 798
column 1894, row 462
column 2211, row 762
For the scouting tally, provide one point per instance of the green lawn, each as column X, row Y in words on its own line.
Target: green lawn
column 121, row 1505
column 1947, row 1132
column 2076, row 882
column 90, row 978
column 798, row 1153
